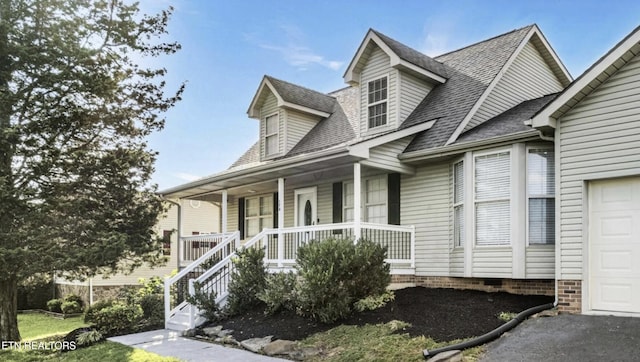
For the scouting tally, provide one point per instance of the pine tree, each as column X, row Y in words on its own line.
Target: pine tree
column 75, row 168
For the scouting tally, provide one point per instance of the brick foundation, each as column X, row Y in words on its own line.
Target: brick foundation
column 514, row 286
column 570, row 296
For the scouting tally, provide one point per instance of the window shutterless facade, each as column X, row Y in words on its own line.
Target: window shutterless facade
column 492, row 190
column 272, row 136
column 541, row 196
column 377, row 102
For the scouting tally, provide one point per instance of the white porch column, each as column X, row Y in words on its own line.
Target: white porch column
column 280, row 221
column 357, row 201
column 223, row 227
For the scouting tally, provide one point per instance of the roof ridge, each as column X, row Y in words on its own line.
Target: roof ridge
column 299, row 86
column 483, row 41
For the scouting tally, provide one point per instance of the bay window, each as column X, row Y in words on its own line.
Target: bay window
column 541, row 196
column 492, row 189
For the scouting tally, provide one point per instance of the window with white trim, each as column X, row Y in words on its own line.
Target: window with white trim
column 492, row 198
column 458, row 204
column 377, row 102
column 541, row 196
column 374, row 200
column 271, row 137
column 258, row 214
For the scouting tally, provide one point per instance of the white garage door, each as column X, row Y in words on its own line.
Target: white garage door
column 614, row 237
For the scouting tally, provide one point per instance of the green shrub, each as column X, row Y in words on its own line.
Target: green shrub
column 374, row 302
column 74, row 298
column 336, row 273
column 95, row 307
column 152, row 308
column 117, row 319
column 54, row 305
column 71, row 307
column 89, row 338
column 206, row 302
column 279, row 292
column 247, row 281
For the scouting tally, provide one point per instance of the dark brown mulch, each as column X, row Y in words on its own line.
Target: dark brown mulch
column 442, row 314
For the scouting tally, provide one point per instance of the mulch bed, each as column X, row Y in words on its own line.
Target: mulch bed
column 442, row 314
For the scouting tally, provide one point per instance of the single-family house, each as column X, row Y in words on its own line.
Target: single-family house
column 433, row 157
column 596, row 127
column 199, row 219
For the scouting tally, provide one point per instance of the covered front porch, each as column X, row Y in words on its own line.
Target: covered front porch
column 280, row 209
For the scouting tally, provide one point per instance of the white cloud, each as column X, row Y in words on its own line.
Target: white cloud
column 435, row 44
column 301, row 57
column 187, row 176
column 294, row 50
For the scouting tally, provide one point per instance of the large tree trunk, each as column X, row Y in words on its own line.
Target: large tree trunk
column 9, row 310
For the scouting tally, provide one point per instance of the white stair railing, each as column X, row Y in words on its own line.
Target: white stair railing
column 176, row 288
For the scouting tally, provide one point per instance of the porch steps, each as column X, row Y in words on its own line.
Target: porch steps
column 179, row 322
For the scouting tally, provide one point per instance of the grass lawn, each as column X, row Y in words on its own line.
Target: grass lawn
column 37, row 326
column 40, row 326
column 380, row 342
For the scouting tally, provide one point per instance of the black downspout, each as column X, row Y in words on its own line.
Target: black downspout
column 491, row 335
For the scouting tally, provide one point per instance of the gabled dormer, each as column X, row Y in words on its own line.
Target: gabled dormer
column 287, row 112
column 393, row 79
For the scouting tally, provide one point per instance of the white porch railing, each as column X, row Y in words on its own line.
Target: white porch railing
column 213, row 270
column 194, row 247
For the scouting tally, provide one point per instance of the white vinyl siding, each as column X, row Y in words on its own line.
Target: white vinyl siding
column 541, row 196
column 492, row 188
column 426, row 203
column 599, row 138
column 298, row 124
column 528, row 77
column 412, row 92
column 386, row 156
column 378, row 66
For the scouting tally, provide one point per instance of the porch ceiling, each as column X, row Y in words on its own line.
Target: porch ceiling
column 262, row 179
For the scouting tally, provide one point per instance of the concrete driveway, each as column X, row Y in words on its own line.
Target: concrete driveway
column 569, row 338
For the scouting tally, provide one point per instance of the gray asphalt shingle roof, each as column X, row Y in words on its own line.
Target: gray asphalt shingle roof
column 508, row 122
column 471, row 70
column 302, row 96
column 413, row 56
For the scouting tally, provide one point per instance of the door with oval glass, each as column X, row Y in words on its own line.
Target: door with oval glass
column 306, row 211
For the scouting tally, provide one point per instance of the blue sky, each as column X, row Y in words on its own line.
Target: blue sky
column 227, row 46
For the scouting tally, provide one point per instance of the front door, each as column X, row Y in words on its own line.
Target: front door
column 306, row 213
column 305, row 205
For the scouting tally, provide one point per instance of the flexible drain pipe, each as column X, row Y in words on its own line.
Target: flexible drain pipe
column 491, row 335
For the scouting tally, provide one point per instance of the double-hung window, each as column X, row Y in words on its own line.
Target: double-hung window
column 374, row 197
column 458, row 204
column 541, row 196
column 347, row 202
column 377, row 102
column 258, row 214
column 492, row 191
column 271, row 138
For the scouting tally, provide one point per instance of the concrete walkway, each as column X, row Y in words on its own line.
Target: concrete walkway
column 170, row 344
column 569, row 338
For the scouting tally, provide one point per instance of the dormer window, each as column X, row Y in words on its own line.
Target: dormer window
column 377, row 91
column 271, row 138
